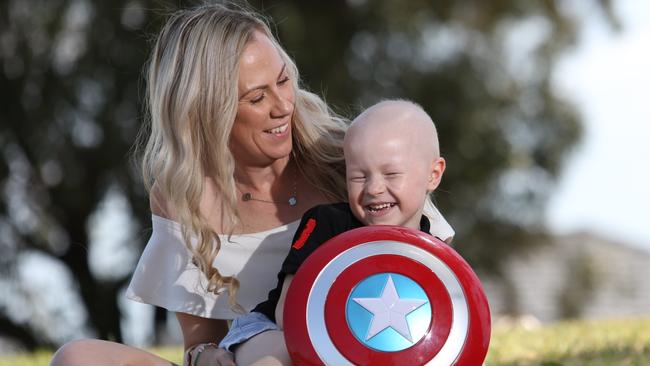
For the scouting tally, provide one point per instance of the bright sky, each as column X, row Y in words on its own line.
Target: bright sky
column 605, row 186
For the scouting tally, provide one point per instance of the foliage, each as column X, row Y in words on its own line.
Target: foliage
column 70, row 113
column 71, row 87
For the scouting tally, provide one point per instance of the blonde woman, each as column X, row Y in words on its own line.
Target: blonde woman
column 237, row 152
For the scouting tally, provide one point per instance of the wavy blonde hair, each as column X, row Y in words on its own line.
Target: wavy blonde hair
column 192, row 100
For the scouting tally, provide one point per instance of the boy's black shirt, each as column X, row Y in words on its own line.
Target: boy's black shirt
column 317, row 225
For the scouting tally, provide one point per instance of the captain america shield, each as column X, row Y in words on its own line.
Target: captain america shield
column 386, row 295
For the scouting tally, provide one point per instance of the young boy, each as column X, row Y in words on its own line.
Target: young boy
column 392, row 165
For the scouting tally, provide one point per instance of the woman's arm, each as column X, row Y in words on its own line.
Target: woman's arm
column 196, row 331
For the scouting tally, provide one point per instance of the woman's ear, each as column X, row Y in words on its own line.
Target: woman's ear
column 435, row 173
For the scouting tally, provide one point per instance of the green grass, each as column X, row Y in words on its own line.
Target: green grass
column 593, row 343
column 624, row 342
column 41, row 357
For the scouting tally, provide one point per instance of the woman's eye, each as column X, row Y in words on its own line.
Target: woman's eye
column 358, row 179
column 257, row 99
column 283, row 81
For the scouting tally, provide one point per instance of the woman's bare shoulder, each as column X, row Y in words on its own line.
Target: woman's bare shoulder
column 159, row 204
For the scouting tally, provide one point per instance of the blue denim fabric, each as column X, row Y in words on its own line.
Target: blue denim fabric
column 245, row 327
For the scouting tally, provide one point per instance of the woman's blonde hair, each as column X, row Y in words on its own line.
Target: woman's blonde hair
column 192, row 100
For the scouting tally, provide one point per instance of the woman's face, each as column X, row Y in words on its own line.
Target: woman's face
column 261, row 133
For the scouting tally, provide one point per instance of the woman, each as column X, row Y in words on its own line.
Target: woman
column 236, row 148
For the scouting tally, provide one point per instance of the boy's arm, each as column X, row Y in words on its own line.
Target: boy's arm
column 263, row 317
column 316, row 226
column 279, row 308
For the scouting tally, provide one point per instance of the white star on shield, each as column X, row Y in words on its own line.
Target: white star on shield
column 389, row 310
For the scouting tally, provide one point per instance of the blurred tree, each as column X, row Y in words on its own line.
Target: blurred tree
column 70, row 74
column 483, row 72
column 70, row 113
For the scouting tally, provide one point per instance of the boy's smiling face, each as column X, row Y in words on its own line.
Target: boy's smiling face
column 392, row 163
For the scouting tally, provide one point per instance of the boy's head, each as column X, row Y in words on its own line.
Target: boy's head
column 392, row 162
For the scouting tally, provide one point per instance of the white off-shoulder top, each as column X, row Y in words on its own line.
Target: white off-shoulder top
column 165, row 275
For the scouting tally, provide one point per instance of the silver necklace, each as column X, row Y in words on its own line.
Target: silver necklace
column 292, row 201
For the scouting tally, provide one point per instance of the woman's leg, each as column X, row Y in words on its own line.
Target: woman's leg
column 103, row 353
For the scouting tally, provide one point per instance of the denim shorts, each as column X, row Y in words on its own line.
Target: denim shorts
column 246, row 327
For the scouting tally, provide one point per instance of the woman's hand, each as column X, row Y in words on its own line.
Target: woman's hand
column 216, row 357
column 208, row 354
column 206, row 332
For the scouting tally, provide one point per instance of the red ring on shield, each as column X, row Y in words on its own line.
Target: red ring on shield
column 469, row 340
column 355, row 351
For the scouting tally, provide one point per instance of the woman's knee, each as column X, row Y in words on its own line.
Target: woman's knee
column 104, row 353
column 77, row 352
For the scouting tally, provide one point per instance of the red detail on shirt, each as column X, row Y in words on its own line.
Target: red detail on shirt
column 309, row 227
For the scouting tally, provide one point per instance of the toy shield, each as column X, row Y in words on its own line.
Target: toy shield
column 386, row 295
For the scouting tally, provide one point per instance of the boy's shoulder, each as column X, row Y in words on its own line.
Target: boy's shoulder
column 331, row 218
column 319, row 224
column 331, row 210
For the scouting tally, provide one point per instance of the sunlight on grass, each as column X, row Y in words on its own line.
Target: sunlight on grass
column 610, row 342
column 38, row 358
column 174, row 354
column 623, row 342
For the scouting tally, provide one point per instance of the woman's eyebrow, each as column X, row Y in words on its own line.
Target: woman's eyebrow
column 284, row 66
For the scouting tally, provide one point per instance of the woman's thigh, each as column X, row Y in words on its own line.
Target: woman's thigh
column 104, row 353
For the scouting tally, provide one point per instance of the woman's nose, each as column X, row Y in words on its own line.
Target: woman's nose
column 283, row 105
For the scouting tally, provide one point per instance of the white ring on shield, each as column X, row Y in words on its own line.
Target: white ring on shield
column 317, row 328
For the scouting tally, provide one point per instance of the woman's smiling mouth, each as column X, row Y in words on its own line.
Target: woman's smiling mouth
column 278, row 130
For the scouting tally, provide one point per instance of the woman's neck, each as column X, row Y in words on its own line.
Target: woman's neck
column 261, row 178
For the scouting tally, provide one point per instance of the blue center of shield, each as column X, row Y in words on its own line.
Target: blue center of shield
column 388, row 312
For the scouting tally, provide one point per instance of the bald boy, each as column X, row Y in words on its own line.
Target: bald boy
column 392, row 164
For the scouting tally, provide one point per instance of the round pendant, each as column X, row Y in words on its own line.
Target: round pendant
column 292, row 201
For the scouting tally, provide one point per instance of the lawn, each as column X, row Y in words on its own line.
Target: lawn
column 594, row 343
